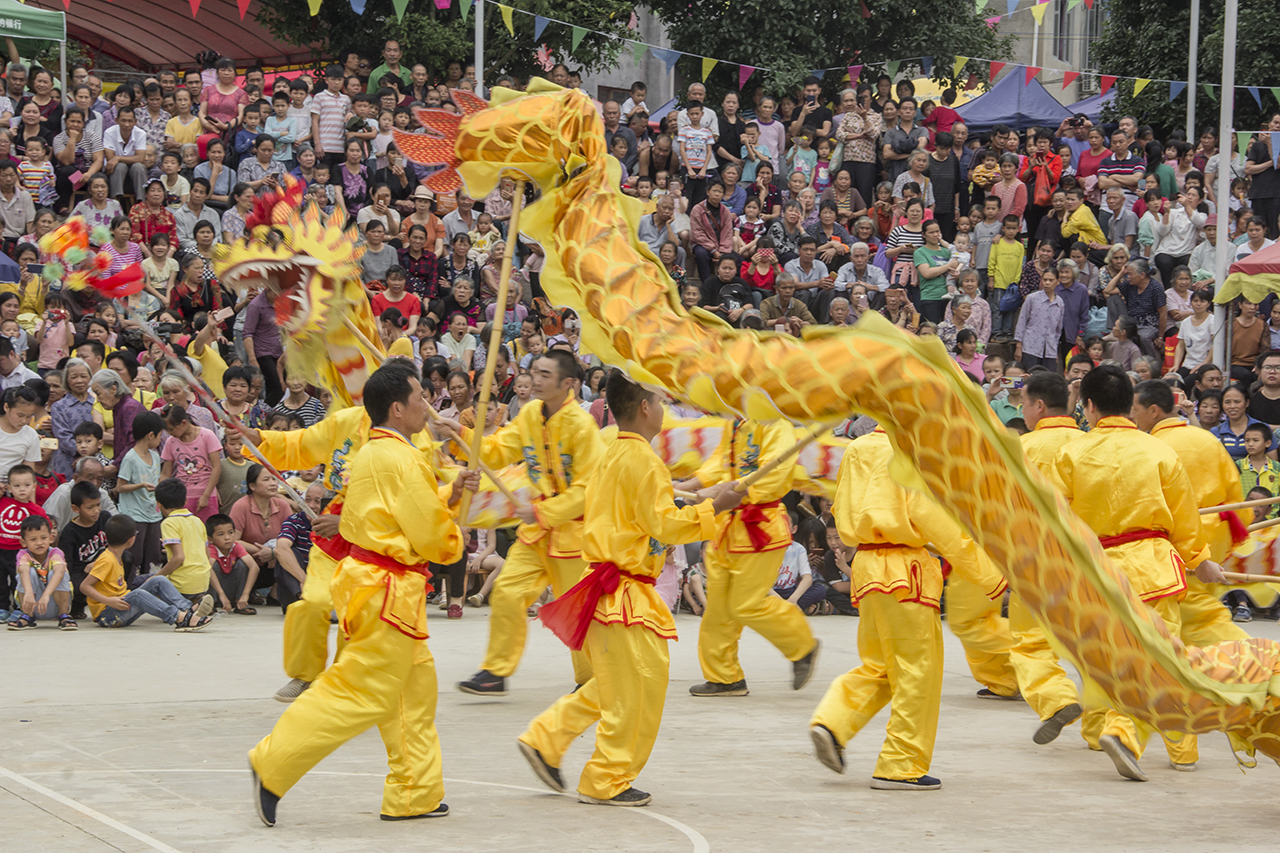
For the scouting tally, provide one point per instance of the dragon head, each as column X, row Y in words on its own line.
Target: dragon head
column 309, row 266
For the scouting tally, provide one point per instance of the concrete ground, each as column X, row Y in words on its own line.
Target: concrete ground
column 135, row 740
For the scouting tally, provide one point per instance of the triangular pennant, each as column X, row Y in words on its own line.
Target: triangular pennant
column 707, row 64
column 818, row 72
column 576, row 38
column 539, row 24
column 866, row 13
column 1242, row 143
column 1069, row 77
column 506, row 18
column 855, row 71
column 1257, row 96
column 996, row 68
column 1032, row 71
column 991, row 22
column 1275, row 93
column 441, row 5
column 1275, row 150
column 982, row 4
column 195, row 7
column 1037, row 12
column 465, row 7
column 891, row 68
column 1011, row 5
column 1176, row 88
column 313, row 5
column 635, row 22
column 1208, row 90
column 1088, row 4
column 926, row 65
column 744, row 74
column 1106, row 81
column 972, row 82
column 400, row 6
column 638, row 50
column 957, row 65
column 669, row 57
column 241, row 5
column 1140, row 84
column 1071, row 4
column 357, row 6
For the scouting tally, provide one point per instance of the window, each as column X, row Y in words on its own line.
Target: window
column 1063, row 34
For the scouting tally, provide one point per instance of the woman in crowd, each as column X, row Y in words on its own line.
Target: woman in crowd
column 45, row 100
column 233, row 219
column 221, row 177
column 1235, row 409
column 150, row 216
column 858, row 130
column 258, row 517
column 353, row 176
column 222, row 104
column 967, row 355
column 1195, row 335
column 176, row 391
column 1088, row 163
column 848, row 201
column 114, row 411
column 75, row 407
column 261, row 171
column 770, row 196
column 98, row 210
column 76, row 152
column 959, row 313
column 381, row 210
column 120, row 248
column 29, row 127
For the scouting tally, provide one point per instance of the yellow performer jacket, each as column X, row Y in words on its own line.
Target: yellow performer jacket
column 631, row 519
column 1125, row 483
column 745, row 446
column 1042, row 444
column 1214, row 478
column 891, row 526
column 331, row 442
column 561, row 453
column 397, row 520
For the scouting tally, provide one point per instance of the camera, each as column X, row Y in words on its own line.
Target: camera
column 164, row 328
column 1077, row 121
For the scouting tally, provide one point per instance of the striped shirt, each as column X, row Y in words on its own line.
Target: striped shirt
column 332, row 110
column 1131, row 165
column 38, row 180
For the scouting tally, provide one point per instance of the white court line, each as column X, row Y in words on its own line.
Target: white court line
column 88, row 812
column 700, row 843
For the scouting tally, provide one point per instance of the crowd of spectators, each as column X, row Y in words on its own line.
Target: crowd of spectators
column 1056, row 250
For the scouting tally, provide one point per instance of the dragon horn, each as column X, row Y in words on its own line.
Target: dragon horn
column 441, row 121
column 469, row 102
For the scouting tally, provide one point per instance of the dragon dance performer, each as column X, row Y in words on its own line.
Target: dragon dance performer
column 630, row 519
column 397, row 521
column 743, row 559
column 897, row 585
column 1134, row 493
column 561, row 447
column 1041, row 679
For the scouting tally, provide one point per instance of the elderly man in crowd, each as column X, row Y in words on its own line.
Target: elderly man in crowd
column 658, row 228
column 87, row 470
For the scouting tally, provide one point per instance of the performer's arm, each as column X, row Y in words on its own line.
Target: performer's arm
column 300, row 449
column 423, row 518
column 588, row 454
column 656, row 511
column 503, row 448
column 775, row 439
column 1187, row 533
column 966, row 558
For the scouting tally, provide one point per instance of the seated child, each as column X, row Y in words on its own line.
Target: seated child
column 795, row 578
column 89, row 439
column 185, row 541
column 114, row 605
column 293, row 545
column 82, row 539
column 237, row 571
column 234, row 467
column 487, row 561
column 14, row 507
column 42, row 574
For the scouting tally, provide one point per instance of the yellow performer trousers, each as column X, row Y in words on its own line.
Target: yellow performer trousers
column 976, row 620
column 383, row 678
column 306, row 621
column 1099, row 721
column 1043, row 682
column 526, row 573
column 900, row 644
column 1205, row 619
column 738, row 587
column 626, row 696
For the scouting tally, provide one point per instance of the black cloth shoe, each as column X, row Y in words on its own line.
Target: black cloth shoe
column 1052, row 727
column 920, row 783
column 827, row 749
column 1125, row 761
column 484, row 683
column 441, row 810
column 264, row 801
column 631, row 797
column 986, row 693
column 802, row 670
column 549, row 775
column 714, row 688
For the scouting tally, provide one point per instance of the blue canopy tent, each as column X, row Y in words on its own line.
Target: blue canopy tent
column 1092, row 107
column 1015, row 103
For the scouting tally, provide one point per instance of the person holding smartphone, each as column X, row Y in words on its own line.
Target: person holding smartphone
column 811, row 113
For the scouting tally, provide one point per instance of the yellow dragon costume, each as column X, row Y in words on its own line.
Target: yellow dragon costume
column 947, row 441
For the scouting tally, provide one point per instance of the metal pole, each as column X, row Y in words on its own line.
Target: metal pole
column 1222, row 342
column 62, row 67
column 1191, row 72
column 478, row 11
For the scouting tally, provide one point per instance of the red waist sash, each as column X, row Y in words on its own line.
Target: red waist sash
column 753, row 516
column 570, row 615
column 382, row 561
column 1132, row 536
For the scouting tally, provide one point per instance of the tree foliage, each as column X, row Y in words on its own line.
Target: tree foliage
column 1150, row 38
column 793, row 37
column 436, row 37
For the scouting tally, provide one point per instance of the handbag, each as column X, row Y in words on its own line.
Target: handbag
column 1011, row 300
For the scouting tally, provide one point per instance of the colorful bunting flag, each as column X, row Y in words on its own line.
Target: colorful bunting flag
column 241, row 5
column 926, row 65
column 1032, row 71
column 996, row 68
column 1275, row 93
column 357, row 6
column 195, row 6
column 635, row 22
column 1071, row 4
column 576, row 37
column 991, row 22
column 313, row 5
column 1140, row 84
column 1257, row 96
column 866, row 13
column 1242, row 142
column 957, row 65
column 707, row 65
column 465, row 7
column 443, row 4
column 1176, row 88
column 539, row 24
column 1088, row 4
column 1069, row 77
column 669, row 57
column 1011, row 5
column 819, row 72
column 982, row 4
column 638, row 50
column 1037, row 12
column 744, row 74
column 1107, row 81
column 891, row 68
column 506, row 18
column 400, row 6
column 1275, row 150
column 1208, row 90
column 855, row 71
column 972, row 82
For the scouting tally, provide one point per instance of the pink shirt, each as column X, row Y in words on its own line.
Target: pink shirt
column 191, row 460
column 249, row 522
column 224, row 108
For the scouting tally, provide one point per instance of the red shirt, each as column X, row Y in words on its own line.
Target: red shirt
column 46, row 486
column 944, row 118
column 12, row 514
column 226, row 563
column 755, row 278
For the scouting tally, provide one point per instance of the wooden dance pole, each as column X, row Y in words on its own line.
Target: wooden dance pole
column 1270, row 522
column 1242, row 505
column 786, row 457
column 1238, row 577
